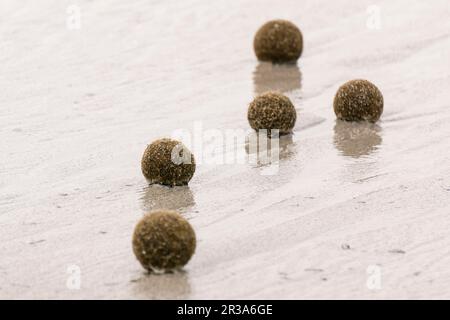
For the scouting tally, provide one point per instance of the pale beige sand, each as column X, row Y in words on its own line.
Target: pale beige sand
column 79, row 107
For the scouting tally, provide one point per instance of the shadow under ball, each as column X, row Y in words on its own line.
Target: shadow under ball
column 163, row 241
column 168, row 162
column 272, row 110
column 278, row 41
column 358, row 100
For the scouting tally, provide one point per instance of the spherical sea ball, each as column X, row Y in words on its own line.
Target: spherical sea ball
column 163, row 241
column 278, row 41
column 272, row 110
column 358, row 100
column 168, row 162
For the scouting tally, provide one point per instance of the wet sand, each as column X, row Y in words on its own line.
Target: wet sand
column 78, row 108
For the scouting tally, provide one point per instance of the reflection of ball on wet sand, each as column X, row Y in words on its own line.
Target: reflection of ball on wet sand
column 163, row 241
column 278, row 41
column 358, row 100
column 168, row 162
column 174, row 285
column 272, row 110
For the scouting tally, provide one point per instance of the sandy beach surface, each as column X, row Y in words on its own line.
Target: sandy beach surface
column 354, row 210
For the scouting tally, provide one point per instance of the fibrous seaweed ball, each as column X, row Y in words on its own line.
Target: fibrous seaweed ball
column 278, row 41
column 168, row 162
column 163, row 241
column 272, row 110
column 358, row 100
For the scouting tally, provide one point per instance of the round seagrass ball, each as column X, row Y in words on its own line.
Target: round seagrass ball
column 358, row 100
column 163, row 241
column 168, row 162
column 278, row 41
column 272, row 110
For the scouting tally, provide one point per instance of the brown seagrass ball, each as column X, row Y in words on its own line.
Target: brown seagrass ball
column 358, row 100
column 278, row 41
column 163, row 241
column 272, row 110
column 168, row 162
